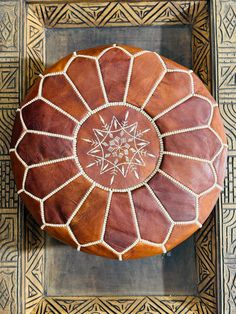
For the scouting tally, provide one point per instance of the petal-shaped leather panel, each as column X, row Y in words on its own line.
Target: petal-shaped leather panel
column 60, row 206
column 48, row 119
column 120, row 229
column 44, row 148
column 43, row 180
column 62, row 234
column 18, row 167
column 189, row 172
column 17, row 130
column 206, row 203
column 220, row 166
column 174, row 87
column 192, row 143
column 67, row 99
column 179, row 234
column 140, row 249
column 84, row 74
column 180, row 204
column 87, row 224
column 191, row 113
column 147, row 69
column 114, row 67
column 151, row 218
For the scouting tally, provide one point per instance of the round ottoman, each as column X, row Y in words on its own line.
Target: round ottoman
column 119, row 152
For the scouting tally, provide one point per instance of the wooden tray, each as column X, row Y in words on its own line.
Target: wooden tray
column 40, row 275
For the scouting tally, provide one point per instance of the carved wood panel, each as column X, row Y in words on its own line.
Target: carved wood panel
column 22, row 57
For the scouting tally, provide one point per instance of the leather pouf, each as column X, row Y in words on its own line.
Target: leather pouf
column 119, row 152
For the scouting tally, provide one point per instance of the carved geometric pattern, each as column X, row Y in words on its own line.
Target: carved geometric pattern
column 8, row 290
column 229, row 232
column 112, row 14
column 229, row 195
column 34, row 271
column 8, row 193
column 128, row 14
column 119, row 14
column 228, row 113
column 228, row 21
column 206, row 261
column 7, row 117
column 131, row 305
column 8, row 27
column 230, row 279
column 225, row 34
column 9, row 82
column 8, row 235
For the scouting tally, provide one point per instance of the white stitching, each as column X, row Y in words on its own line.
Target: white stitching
column 186, row 156
column 80, row 204
column 59, row 109
column 180, row 102
column 131, row 63
column 91, row 243
column 20, row 159
column 140, row 53
column 77, row 92
column 72, row 58
column 50, row 134
column 29, row 102
column 106, row 215
column 177, row 182
column 22, row 120
column 53, row 161
column 158, row 81
column 161, row 60
column 101, row 81
column 164, row 211
column 134, row 215
column 113, row 250
column 73, row 237
column 112, row 47
column 184, row 130
column 61, row 187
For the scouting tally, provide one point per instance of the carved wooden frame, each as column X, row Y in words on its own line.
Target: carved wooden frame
column 22, row 58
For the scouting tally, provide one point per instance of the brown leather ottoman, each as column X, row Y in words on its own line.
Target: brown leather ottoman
column 119, row 152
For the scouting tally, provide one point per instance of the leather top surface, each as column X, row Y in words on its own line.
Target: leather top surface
column 119, row 152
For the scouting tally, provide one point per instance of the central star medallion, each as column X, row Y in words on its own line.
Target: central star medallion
column 118, row 147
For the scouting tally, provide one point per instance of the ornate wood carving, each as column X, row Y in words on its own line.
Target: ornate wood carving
column 22, row 257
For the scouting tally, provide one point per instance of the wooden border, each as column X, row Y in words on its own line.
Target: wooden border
column 22, row 257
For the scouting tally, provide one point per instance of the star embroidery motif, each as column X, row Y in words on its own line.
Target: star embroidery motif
column 118, row 148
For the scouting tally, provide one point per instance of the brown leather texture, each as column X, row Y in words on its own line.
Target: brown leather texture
column 119, row 152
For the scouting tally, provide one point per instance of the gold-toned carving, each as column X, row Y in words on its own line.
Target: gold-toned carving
column 63, row 14
column 7, row 117
column 41, row 16
column 8, row 235
column 8, row 26
column 225, row 33
column 8, row 194
column 8, row 292
column 228, row 21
